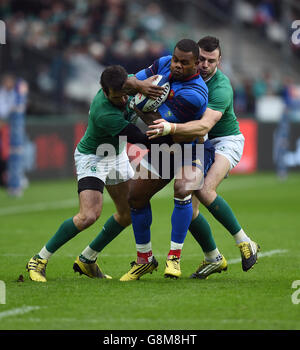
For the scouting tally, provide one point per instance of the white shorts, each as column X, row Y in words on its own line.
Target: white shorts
column 230, row 147
column 110, row 170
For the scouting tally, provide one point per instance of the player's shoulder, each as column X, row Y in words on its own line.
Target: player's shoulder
column 194, row 88
column 164, row 64
column 222, row 80
column 101, row 108
column 220, row 85
column 165, row 59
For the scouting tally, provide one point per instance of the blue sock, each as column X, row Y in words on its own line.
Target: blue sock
column 181, row 219
column 141, row 222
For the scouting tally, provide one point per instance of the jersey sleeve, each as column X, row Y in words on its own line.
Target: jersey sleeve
column 156, row 68
column 113, row 123
column 219, row 98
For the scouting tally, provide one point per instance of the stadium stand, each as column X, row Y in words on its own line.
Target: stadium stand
column 60, row 48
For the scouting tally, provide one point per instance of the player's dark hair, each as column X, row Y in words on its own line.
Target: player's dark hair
column 113, row 77
column 209, row 44
column 188, row 45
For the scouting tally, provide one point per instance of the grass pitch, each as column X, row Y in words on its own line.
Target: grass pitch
column 260, row 299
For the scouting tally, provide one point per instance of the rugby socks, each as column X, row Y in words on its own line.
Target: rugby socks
column 66, row 231
column 241, row 237
column 221, row 210
column 201, row 231
column 181, row 219
column 141, row 223
column 111, row 229
column 175, row 249
column 144, row 253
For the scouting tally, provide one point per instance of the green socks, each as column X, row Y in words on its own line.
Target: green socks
column 224, row 214
column 201, row 231
column 66, row 231
column 110, row 230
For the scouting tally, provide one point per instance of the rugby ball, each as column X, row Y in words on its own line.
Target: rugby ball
column 146, row 104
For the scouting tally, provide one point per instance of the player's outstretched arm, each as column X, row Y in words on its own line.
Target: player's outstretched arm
column 193, row 128
column 148, row 117
column 145, row 87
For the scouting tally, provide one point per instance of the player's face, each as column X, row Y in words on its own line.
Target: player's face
column 208, row 62
column 183, row 64
column 117, row 98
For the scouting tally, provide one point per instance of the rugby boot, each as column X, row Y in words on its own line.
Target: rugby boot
column 207, row 268
column 37, row 269
column 138, row 270
column 172, row 269
column 249, row 252
column 91, row 270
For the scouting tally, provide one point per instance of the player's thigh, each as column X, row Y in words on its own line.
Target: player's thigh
column 91, row 201
column 119, row 194
column 90, row 208
column 215, row 176
column 142, row 189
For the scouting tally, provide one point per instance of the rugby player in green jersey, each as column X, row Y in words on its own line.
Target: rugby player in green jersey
column 221, row 125
column 100, row 160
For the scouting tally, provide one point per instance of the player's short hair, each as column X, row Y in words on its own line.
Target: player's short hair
column 113, row 77
column 188, row 45
column 209, row 44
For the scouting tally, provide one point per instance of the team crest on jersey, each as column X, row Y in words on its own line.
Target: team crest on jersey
column 171, row 94
column 168, row 114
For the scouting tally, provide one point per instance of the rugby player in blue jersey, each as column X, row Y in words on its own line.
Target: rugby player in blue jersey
column 187, row 101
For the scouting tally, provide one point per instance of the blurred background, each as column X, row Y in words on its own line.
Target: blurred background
column 52, row 54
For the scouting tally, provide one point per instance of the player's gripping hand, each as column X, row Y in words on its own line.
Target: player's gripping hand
column 161, row 128
column 146, row 88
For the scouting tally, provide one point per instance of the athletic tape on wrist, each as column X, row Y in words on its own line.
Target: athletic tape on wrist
column 167, row 128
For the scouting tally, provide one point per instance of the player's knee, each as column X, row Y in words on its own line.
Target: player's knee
column 181, row 189
column 123, row 218
column 137, row 201
column 87, row 219
column 206, row 195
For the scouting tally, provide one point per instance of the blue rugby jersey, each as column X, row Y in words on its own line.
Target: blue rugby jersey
column 187, row 99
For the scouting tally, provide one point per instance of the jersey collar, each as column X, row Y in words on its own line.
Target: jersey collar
column 211, row 76
column 191, row 77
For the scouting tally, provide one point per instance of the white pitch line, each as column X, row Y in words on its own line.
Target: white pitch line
column 260, row 255
column 73, row 202
column 18, row 311
column 36, row 207
column 158, row 255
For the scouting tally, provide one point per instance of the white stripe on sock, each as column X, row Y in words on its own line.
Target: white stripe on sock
column 144, row 248
column 241, row 237
column 176, row 246
column 212, row 255
column 184, row 199
column 90, row 253
column 45, row 254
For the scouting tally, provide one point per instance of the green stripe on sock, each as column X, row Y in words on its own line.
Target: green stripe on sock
column 201, row 231
column 66, row 231
column 221, row 210
column 110, row 230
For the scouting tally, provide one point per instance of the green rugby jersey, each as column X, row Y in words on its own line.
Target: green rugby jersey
column 220, row 98
column 104, row 124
